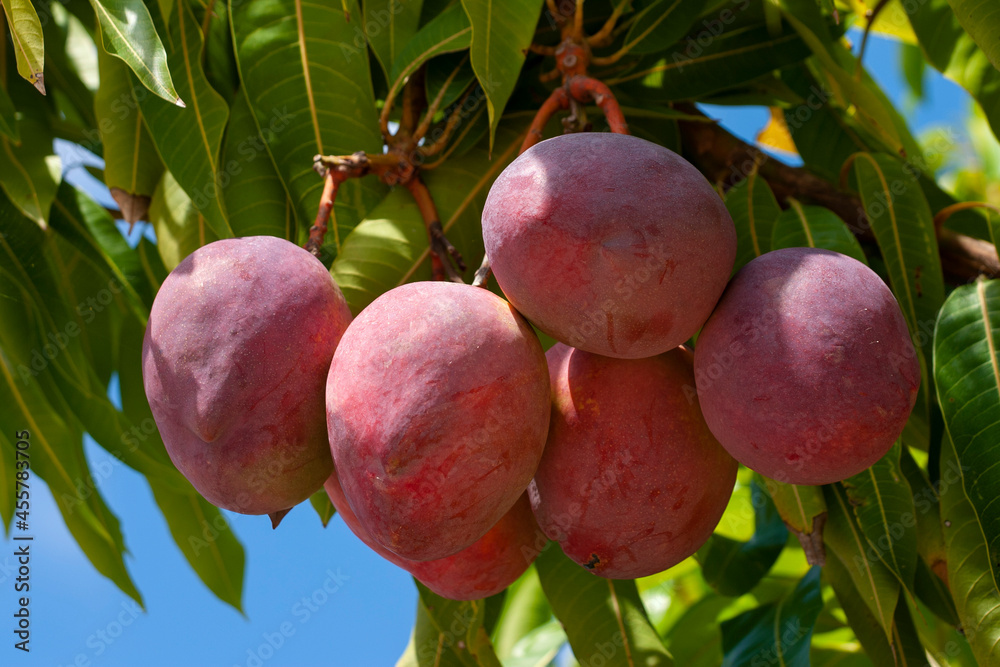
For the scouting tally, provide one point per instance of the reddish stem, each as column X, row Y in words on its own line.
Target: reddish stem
column 559, row 99
column 443, row 253
column 318, row 231
column 586, row 89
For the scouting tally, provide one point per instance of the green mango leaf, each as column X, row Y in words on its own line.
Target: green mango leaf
column 8, row 121
column 30, row 171
column 661, row 23
column 754, row 211
column 814, row 227
column 180, row 227
column 255, row 199
column 539, row 647
column 206, row 540
column 450, row 632
column 695, row 640
column 189, row 139
column 603, row 618
column 904, row 229
column 778, row 631
column 306, row 75
column 92, row 232
column 799, row 506
column 128, row 33
column 501, row 35
column 29, row 45
column 927, row 504
column 875, row 583
column 690, row 71
column 972, row 583
column 389, row 25
column 448, row 32
column 981, row 19
column 389, row 248
column 132, row 167
column 954, row 53
column 449, row 76
column 70, row 59
column 883, row 506
column 219, row 59
column 732, row 567
column 323, row 506
column 967, row 370
column 525, row 609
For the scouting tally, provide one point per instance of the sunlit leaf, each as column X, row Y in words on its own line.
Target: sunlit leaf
column 389, row 25
column 754, row 211
column 801, row 226
column 981, row 19
column 26, row 35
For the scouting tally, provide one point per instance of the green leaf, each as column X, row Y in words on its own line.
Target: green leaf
column 448, row 75
column 8, row 121
column 732, row 567
column 883, row 505
column 255, row 199
column 524, row 609
column 30, row 172
column 70, row 68
column 799, row 506
column 777, row 632
column 981, row 19
column 26, row 35
column 972, row 584
column 696, row 639
column 539, row 647
column 180, row 227
column 389, row 25
column 501, row 35
column 128, row 33
column 131, row 166
column 690, row 71
column 754, row 211
column 206, row 540
column 967, row 370
column 453, row 628
column 307, row 79
column 876, row 585
column 661, row 23
column 801, row 226
column 189, row 139
column 953, row 52
column 603, row 618
column 323, row 506
column 904, row 229
column 448, row 32
column 389, row 248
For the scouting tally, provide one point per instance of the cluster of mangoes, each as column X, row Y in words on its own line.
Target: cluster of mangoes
column 455, row 447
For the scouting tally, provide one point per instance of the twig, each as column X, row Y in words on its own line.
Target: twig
column 443, row 253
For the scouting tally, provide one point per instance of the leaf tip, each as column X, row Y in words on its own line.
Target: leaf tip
column 39, row 83
column 179, row 102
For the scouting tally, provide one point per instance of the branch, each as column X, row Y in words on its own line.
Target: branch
column 726, row 159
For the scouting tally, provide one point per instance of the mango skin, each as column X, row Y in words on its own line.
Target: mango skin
column 437, row 411
column 805, row 370
column 609, row 243
column 632, row 481
column 488, row 566
column 234, row 363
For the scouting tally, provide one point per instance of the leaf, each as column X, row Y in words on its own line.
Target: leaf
column 799, row 506
column 448, row 32
column 883, row 505
column 307, row 79
column 389, row 248
column 776, row 632
column 448, row 75
column 501, row 35
column 981, row 19
column 801, row 226
column 525, row 609
column 661, row 23
column 26, row 36
column 206, row 540
column 189, row 139
column 904, row 229
column 603, row 618
column 454, row 629
column 70, row 68
column 389, row 25
column 180, row 227
column 323, row 506
column 128, row 33
column 754, row 211
column 690, row 71
column 732, row 567
column 967, row 370
column 972, row 584
column 131, row 166
column 696, row 639
column 256, row 201
column 31, row 171
column 876, row 585
column 8, row 121
column 954, row 53
column 539, row 647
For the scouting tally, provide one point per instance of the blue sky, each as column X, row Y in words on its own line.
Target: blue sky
column 81, row 618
